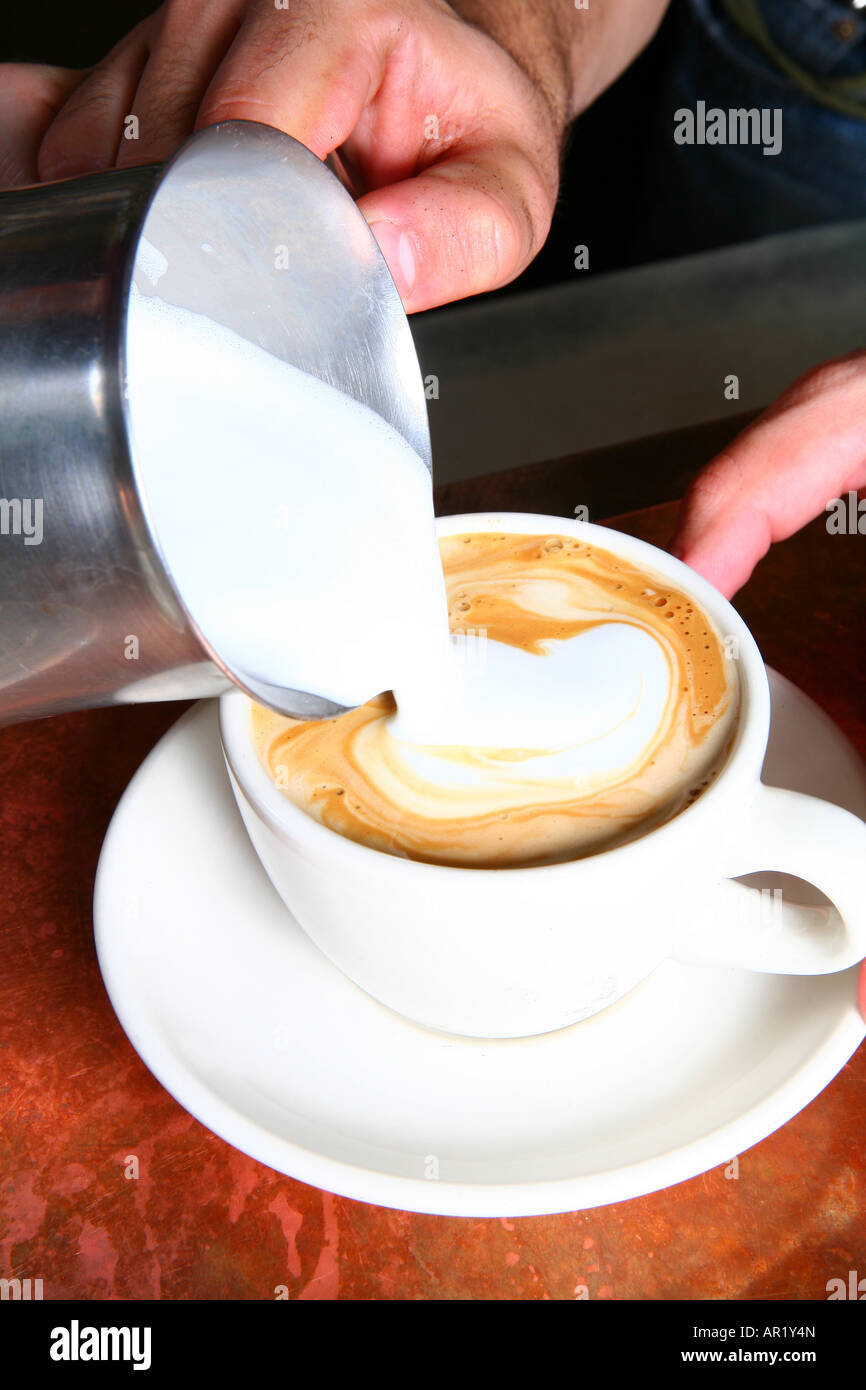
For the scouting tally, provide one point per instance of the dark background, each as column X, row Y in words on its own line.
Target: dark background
column 72, row 34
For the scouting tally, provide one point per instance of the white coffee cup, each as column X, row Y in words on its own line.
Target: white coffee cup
column 502, row 953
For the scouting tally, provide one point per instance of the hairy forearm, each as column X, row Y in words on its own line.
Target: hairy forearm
column 571, row 54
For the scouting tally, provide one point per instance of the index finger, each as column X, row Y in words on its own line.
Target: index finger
column 31, row 94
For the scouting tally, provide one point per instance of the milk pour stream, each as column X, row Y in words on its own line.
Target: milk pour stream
column 298, row 524
column 299, row 528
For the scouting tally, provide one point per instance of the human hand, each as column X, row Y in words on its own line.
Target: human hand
column 808, row 448
column 458, row 146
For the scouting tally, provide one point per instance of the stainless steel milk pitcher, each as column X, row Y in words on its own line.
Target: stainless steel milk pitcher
column 89, row 614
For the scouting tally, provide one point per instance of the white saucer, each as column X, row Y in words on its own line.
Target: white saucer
column 255, row 1033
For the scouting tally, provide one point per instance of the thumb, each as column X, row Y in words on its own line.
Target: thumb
column 467, row 224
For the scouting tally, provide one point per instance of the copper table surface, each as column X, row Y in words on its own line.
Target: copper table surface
column 203, row 1221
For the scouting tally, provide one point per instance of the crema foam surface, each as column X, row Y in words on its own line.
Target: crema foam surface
column 582, row 702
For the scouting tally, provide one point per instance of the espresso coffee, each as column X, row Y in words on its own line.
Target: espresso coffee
column 587, row 701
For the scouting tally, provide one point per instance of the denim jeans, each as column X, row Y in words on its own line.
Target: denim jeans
column 697, row 196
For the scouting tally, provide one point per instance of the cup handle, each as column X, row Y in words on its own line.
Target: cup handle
column 753, row 928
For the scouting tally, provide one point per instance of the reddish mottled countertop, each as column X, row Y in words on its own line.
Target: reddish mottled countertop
column 204, row 1221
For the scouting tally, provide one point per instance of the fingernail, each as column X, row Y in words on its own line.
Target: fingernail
column 399, row 253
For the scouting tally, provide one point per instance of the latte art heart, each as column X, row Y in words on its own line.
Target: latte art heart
column 585, row 704
column 597, row 703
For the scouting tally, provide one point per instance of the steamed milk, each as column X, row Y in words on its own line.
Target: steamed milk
column 587, row 705
column 296, row 523
column 600, row 705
